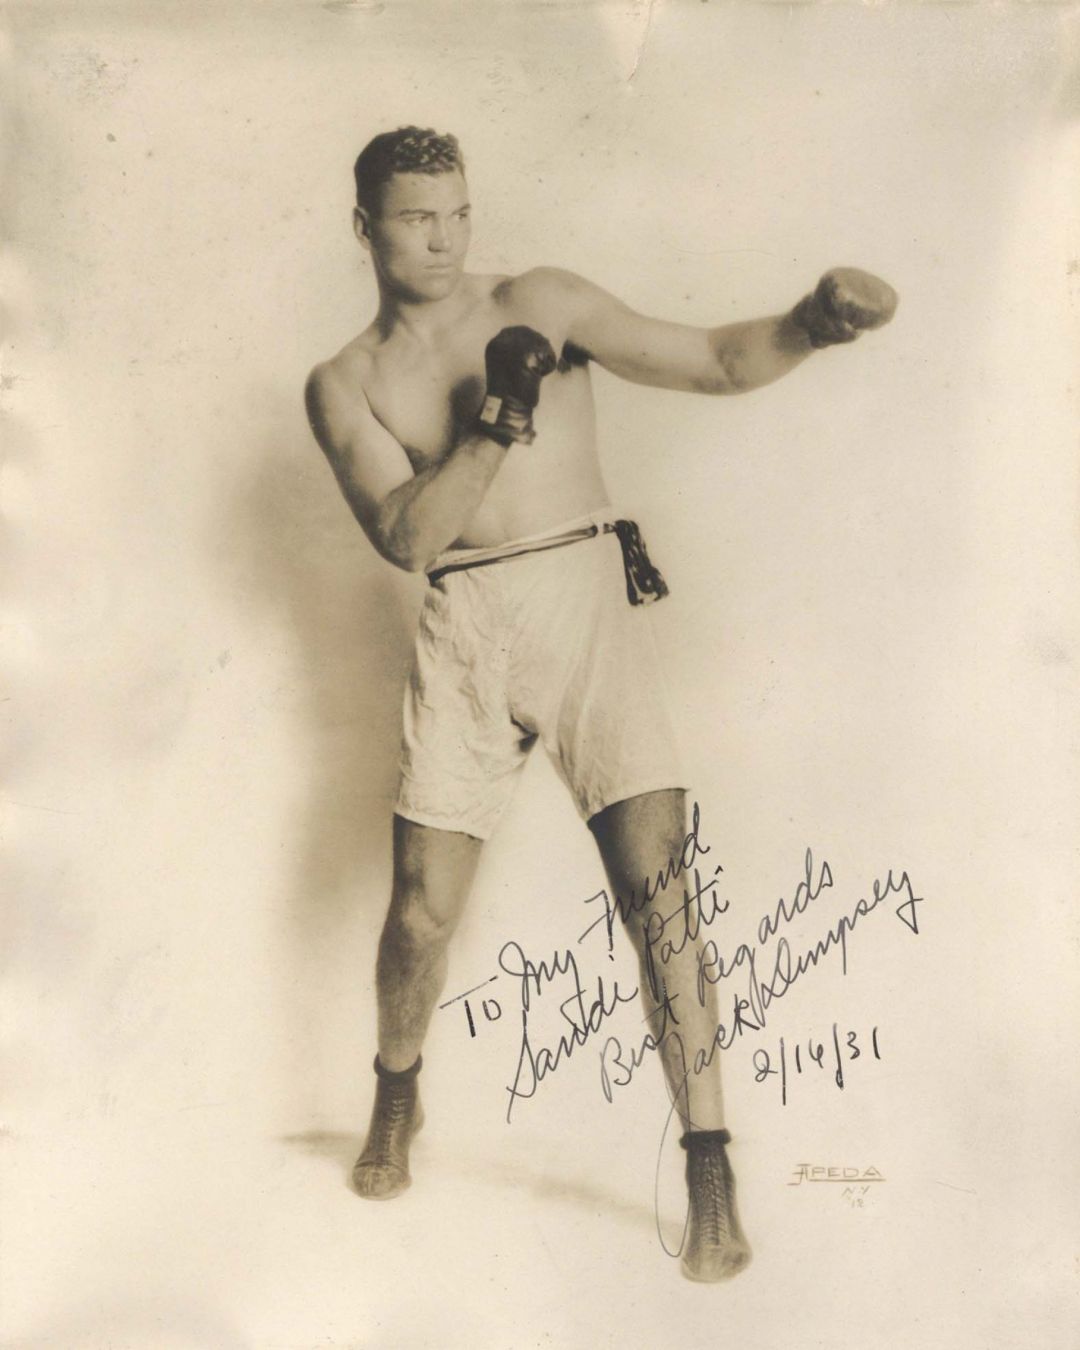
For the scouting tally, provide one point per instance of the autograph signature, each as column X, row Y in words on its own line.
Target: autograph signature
column 751, row 976
column 755, row 989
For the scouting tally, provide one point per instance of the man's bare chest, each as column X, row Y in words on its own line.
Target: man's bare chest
column 427, row 393
column 427, row 399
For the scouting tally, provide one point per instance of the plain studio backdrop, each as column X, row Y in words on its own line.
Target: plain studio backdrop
column 870, row 650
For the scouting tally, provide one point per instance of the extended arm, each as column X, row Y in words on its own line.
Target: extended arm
column 730, row 359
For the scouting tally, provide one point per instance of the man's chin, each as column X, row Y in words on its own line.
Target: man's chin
column 438, row 281
column 431, row 284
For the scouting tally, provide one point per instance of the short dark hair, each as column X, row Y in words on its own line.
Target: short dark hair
column 407, row 150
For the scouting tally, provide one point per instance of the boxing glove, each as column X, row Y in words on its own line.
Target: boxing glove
column 516, row 360
column 845, row 302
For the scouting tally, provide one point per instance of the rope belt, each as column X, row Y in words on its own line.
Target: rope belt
column 644, row 584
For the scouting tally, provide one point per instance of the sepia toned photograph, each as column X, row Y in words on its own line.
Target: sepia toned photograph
column 540, row 620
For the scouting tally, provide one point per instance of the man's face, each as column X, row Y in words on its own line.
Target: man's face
column 419, row 234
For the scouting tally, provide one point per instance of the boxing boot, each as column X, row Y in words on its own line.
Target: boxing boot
column 382, row 1169
column 715, row 1248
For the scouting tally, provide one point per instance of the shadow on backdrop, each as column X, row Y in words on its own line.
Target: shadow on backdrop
column 338, row 622
column 340, row 1149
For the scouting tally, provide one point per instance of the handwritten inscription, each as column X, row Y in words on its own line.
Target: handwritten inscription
column 583, row 1013
column 839, row 1049
column 747, row 976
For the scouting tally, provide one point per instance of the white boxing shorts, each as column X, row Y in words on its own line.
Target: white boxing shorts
column 527, row 642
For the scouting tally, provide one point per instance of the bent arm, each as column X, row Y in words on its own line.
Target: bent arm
column 730, row 359
column 409, row 518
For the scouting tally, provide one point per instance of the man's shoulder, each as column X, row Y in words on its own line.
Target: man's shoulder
column 347, row 370
column 335, row 391
column 544, row 283
column 353, row 361
column 550, row 299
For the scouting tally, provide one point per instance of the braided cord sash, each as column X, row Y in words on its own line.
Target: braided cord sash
column 644, row 584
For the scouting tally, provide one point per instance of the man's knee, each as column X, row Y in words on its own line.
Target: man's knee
column 423, row 915
column 433, row 871
column 413, row 922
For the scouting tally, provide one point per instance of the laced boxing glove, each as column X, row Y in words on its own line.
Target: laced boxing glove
column 516, row 360
column 845, row 302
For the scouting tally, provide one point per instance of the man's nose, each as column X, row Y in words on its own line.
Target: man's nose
column 438, row 237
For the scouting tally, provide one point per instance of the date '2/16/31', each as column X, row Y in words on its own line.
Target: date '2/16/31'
column 840, row 1049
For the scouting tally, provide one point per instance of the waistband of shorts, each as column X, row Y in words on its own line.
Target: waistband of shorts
column 568, row 532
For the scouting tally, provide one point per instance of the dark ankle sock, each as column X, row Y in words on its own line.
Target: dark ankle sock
column 399, row 1075
column 704, row 1138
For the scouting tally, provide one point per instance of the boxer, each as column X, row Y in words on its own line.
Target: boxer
column 460, row 427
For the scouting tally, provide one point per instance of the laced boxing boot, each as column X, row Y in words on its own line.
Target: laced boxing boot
column 716, row 1248
column 382, row 1170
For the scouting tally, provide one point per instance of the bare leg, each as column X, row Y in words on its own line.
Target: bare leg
column 636, row 839
column 433, row 871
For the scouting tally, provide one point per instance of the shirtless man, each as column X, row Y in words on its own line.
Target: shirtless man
column 460, row 428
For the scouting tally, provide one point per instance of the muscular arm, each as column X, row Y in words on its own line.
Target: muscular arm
column 727, row 360
column 410, row 518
